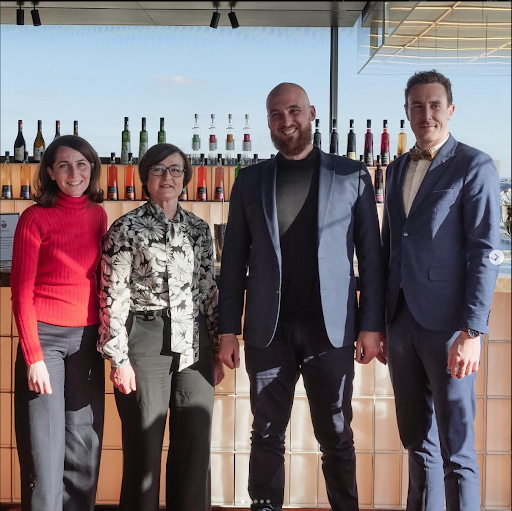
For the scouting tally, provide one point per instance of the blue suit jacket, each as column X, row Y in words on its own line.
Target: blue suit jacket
column 347, row 218
column 440, row 252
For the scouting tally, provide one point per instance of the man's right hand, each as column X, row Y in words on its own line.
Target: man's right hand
column 123, row 379
column 229, row 350
column 38, row 378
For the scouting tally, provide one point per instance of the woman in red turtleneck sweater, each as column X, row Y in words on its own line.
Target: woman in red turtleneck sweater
column 59, row 382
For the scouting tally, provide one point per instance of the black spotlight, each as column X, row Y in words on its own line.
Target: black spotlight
column 20, row 16
column 36, row 20
column 215, row 19
column 233, row 20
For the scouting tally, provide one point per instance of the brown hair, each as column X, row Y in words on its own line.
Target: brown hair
column 157, row 154
column 46, row 189
column 424, row 77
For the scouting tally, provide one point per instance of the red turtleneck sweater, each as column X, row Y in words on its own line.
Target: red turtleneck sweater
column 55, row 260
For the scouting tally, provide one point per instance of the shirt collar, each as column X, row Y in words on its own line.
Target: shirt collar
column 435, row 149
column 158, row 213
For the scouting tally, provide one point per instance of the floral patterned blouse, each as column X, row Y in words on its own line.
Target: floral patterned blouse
column 150, row 263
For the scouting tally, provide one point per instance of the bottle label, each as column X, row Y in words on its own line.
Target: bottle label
column 143, row 137
column 19, row 153
column 124, row 155
column 161, row 137
column 125, row 137
column 184, row 194
column 246, row 146
column 25, row 192
column 384, row 158
column 38, row 152
column 201, row 193
column 230, row 143
column 6, row 191
column 219, row 193
column 352, row 156
column 379, row 195
column 130, row 193
column 213, row 142
column 368, row 160
column 112, row 193
column 196, row 143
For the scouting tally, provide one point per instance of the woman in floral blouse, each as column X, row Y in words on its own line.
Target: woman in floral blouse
column 159, row 331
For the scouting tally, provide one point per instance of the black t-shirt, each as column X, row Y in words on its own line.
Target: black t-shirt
column 297, row 216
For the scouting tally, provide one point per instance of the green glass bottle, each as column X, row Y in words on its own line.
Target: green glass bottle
column 161, row 133
column 143, row 141
column 125, row 143
column 238, row 165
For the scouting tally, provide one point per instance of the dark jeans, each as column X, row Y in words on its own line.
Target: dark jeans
column 435, row 414
column 328, row 373
column 188, row 395
column 59, row 434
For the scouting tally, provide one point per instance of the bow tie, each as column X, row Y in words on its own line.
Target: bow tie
column 418, row 154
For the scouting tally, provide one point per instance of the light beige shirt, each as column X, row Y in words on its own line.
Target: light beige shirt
column 416, row 172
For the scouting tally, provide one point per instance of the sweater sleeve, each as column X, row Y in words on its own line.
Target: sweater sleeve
column 27, row 243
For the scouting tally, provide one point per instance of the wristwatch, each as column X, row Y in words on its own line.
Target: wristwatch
column 472, row 333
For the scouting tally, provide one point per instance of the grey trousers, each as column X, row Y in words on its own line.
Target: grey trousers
column 59, row 435
column 188, row 394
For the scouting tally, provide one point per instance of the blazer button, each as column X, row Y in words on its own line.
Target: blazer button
column 277, row 292
column 406, row 234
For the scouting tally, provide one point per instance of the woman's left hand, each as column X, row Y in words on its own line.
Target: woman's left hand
column 218, row 370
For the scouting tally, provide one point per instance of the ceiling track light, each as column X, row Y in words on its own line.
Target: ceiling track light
column 20, row 15
column 233, row 20
column 215, row 18
column 36, row 20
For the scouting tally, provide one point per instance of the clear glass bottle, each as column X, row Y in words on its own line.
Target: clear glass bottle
column 247, row 143
column 7, row 177
column 26, row 172
column 212, row 142
column 196, row 141
column 402, row 139
column 230, row 142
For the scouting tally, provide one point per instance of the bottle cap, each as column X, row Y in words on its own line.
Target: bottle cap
column 317, row 123
column 385, row 123
column 112, row 156
column 351, row 123
column 369, row 123
column 402, row 123
column 161, row 120
column 126, row 120
column 129, row 156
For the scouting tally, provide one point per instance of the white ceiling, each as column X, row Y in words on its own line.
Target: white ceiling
column 255, row 14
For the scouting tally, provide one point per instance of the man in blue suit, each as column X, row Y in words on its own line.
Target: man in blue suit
column 294, row 222
column 440, row 227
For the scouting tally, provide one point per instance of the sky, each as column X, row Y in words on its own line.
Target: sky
column 100, row 74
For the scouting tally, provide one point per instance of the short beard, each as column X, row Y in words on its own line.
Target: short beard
column 293, row 147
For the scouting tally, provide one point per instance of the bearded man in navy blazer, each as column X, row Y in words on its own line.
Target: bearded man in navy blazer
column 440, row 227
column 294, row 222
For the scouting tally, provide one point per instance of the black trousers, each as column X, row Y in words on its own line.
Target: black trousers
column 59, row 434
column 328, row 372
column 188, row 395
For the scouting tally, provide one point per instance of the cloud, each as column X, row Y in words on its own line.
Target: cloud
column 176, row 81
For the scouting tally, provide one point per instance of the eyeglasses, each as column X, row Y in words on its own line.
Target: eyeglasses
column 174, row 170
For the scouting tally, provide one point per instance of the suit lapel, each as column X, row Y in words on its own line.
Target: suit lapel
column 325, row 184
column 399, row 202
column 268, row 196
column 440, row 162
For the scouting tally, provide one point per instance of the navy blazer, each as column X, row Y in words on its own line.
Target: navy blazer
column 440, row 252
column 251, row 258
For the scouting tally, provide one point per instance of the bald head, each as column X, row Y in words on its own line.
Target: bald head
column 283, row 89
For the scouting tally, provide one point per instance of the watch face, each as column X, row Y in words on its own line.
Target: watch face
column 473, row 333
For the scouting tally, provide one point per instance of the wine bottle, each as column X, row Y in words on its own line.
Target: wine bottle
column 57, row 130
column 39, row 145
column 212, row 142
column 219, row 180
column 129, row 178
column 201, row 181
column 75, row 128
column 143, row 140
column 161, row 133
column 368, row 144
column 384, row 144
column 25, row 178
column 196, row 141
column 19, row 144
column 7, row 178
column 379, row 183
column 184, row 194
column 402, row 139
column 317, row 136
column 247, row 143
column 125, row 144
column 112, row 178
column 351, row 142
column 230, row 142
column 238, row 164
column 333, row 149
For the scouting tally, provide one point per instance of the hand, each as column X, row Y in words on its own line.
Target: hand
column 123, row 379
column 229, row 351
column 382, row 356
column 464, row 356
column 367, row 346
column 218, row 370
column 38, row 378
